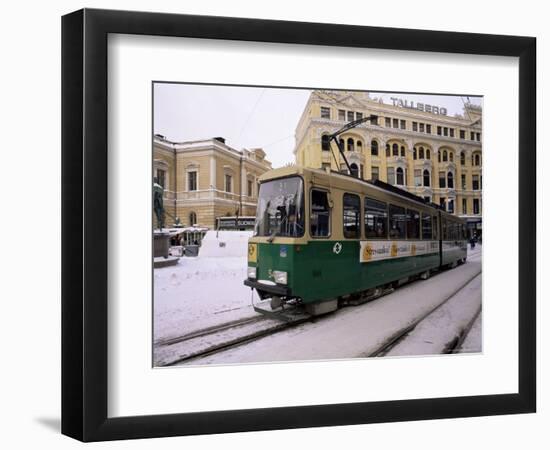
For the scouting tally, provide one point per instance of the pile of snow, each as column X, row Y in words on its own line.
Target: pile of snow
column 222, row 244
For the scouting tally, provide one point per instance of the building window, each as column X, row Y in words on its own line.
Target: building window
column 374, row 173
column 417, row 177
column 325, row 112
column 427, row 153
column 428, row 128
column 472, row 135
column 452, row 132
column 464, row 206
column 441, row 179
column 402, row 151
column 352, row 221
column 325, row 143
column 388, row 151
column 228, row 180
column 426, row 176
column 350, row 116
column 361, row 170
column 398, row 222
column 192, row 181
column 388, row 122
column 395, row 150
column 451, row 156
column 249, row 187
column 478, row 136
column 477, row 160
column 359, row 146
column 415, row 126
column 403, row 125
column 354, row 170
column 350, row 145
column 413, row 224
column 445, row 131
column 451, row 205
column 341, row 114
column 462, row 134
column 476, row 205
column 391, row 175
column 376, row 219
column 320, row 214
column 475, row 182
column 463, row 181
column 192, row 219
column 358, row 116
column 400, row 179
column 414, row 153
column 444, row 155
column 421, row 153
column 450, row 180
column 439, row 156
column 439, row 131
column 374, row 148
column 421, row 128
column 426, row 226
column 374, row 121
column 161, row 178
column 395, row 123
column 462, row 159
column 442, row 202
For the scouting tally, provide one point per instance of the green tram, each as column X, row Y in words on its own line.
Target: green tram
column 322, row 238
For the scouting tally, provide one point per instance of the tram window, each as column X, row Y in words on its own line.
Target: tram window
column 413, row 224
column 352, row 211
column 376, row 219
column 444, row 234
column 398, row 222
column 426, row 226
column 320, row 214
column 435, row 228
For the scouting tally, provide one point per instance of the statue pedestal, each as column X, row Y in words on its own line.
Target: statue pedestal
column 161, row 244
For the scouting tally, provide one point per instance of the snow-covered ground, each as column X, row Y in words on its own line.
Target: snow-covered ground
column 203, row 291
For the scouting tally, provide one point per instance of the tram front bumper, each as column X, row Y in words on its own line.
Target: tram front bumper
column 275, row 289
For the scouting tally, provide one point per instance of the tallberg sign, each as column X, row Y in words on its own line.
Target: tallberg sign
column 419, row 106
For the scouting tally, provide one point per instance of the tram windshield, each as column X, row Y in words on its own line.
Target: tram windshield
column 280, row 210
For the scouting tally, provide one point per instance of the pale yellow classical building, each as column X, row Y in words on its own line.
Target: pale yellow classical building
column 415, row 146
column 206, row 180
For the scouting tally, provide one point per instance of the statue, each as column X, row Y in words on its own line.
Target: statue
column 158, row 206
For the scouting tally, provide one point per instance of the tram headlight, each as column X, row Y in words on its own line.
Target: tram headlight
column 280, row 277
column 251, row 273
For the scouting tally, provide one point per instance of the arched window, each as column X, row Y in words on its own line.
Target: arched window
column 421, row 153
column 403, row 151
column 192, row 218
column 414, row 153
column 426, row 176
column 444, row 155
column 477, row 160
column 359, row 146
column 387, row 150
column 354, row 170
column 450, row 183
column 342, row 144
column 427, row 153
column 400, row 179
column 462, row 159
column 350, row 145
column 451, row 156
column 325, row 143
column 395, row 150
column 374, row 148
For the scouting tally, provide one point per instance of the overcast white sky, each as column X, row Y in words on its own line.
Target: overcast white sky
column 250, row 116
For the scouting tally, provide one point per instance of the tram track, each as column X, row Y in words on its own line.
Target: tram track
column 229, row 335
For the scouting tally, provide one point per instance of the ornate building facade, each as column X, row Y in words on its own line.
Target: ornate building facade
column 206, row 180
column 415, row 146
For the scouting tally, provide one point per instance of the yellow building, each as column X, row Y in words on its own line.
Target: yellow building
column 206, row 180
column 415, row 146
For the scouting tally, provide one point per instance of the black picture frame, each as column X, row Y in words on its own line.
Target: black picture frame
column 84, row 224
